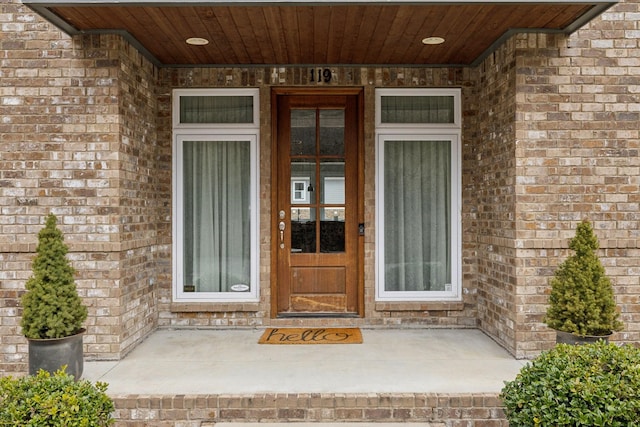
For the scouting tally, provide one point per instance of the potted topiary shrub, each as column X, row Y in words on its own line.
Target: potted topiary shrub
column 56, row 400
column 595, row 384
column 53, row 312
column 582, row 305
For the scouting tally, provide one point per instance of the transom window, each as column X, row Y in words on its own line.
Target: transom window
column 215, row 186
column 418, row 177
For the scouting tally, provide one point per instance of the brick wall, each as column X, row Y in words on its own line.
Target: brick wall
column 144, row 198
column 577, row 131
column 77, row 138
column 491, row 200
column 59, row 124
column 572, row 153
column 438, row 410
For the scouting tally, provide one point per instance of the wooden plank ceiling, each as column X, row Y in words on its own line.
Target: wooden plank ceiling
column 362, row 33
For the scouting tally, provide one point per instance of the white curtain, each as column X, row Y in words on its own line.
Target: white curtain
column 216, row 215
column 417, row 215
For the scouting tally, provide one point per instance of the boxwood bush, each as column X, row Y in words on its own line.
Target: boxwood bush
column 46, row 400
column 594, row 384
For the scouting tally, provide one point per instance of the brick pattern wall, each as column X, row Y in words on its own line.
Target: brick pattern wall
column 578, row 155
column 439, row 410
column 144, row 198
column 492, row 196
column 77, row 139
column 59, row 125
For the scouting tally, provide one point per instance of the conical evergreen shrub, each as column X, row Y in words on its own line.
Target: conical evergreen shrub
column 582, row 300
column 52, row 307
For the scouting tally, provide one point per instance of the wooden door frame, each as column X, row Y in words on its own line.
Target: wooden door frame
column 273, row 227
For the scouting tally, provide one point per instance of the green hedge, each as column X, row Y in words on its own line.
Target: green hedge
column 57, row 400
column 584, row 385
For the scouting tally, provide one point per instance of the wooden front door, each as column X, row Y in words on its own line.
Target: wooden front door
column 318, row 208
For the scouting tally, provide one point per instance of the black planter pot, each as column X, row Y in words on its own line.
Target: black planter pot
column 573, row 339
column 53, row 354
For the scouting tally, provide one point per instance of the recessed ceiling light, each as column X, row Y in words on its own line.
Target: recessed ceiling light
column 197, row 41
column 433, row 40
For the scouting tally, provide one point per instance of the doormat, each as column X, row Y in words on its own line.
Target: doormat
column 311, row 336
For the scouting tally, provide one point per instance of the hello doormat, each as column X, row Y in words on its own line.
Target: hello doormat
column 311, row 336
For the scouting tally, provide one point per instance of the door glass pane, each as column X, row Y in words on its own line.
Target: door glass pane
column 303, row 132
column 332, row 191
column 303, row 230
column 332, row 182
column 303, row 181
column 332, row 132
column 332, row 230
column 216, row 240
column 417, row 215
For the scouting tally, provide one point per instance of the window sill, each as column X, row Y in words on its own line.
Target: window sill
column 420, row 306
column 213, row 307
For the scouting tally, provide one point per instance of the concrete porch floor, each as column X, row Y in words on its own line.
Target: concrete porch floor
column 194, row 362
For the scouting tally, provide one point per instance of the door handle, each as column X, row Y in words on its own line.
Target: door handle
column 281, row 227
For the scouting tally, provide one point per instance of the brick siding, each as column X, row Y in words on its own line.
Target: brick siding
column 439, row 410
column 491, row 198
column 78, row 139
column 578, row 156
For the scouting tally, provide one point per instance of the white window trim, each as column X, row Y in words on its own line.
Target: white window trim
column 390, row 132
column 214, row 132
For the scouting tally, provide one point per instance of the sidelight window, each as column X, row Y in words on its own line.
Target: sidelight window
column 418, row 179
column 215, row 195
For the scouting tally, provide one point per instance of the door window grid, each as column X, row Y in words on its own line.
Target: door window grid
column 317, row 149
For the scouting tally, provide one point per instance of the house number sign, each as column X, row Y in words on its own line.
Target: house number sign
column 320, row 75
